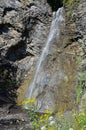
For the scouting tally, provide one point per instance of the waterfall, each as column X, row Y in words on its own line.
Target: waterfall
column 41, row 78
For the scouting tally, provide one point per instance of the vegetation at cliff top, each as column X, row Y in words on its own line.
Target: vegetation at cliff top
column 70, row 1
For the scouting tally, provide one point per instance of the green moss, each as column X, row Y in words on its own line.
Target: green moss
column 81, row 81
column 79, row 92
column 70, row 1
column 5, row 72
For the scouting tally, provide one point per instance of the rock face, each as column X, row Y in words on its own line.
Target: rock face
column 81, row 26
column 24, row 26
column 54, row 82
column 78, row 20
column 15, row 119
column 63, row 85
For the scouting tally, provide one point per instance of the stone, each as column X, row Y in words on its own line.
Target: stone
column 24, row 26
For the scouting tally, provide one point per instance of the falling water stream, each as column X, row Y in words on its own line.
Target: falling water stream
column 42, row 78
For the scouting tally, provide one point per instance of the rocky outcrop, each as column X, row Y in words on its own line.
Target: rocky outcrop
column 54, row 83
column 61, row 78
column 12, row 118
column 81, row 26
column 77, row 17
column 59, row 73
column 24, row 26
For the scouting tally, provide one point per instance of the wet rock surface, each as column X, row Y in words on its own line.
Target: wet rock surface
column 54, row 83
column 59, row 71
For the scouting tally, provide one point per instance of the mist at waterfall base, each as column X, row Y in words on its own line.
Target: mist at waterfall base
column 45, row 79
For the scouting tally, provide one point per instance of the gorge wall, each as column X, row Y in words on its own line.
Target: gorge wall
column 24, row 27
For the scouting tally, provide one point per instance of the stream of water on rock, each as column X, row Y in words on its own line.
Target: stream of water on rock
column 41, row 77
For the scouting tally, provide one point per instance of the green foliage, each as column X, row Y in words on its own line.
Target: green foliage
column 79, row 59
column 71, row 121
column 82, row 76
column 79, row 92
column 81, row 85
column 60, row 121
column 70, row 7
column 70, row 1
column 81, row 80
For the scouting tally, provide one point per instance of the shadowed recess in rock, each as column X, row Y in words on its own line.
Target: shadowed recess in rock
column 55, row 4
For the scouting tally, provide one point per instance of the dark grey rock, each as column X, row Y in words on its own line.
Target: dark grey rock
column 10, row 4
column 24, row 26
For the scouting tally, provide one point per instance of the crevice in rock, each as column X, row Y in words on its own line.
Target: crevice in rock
column 8, row 81
column 4, row 28
column 29, row 21
column 68, row 44
column 6, row 10
column 17, row 52
column 74, row 39
column 31, row 4
column 55, row 4
column 7, row 121
column 40, row 20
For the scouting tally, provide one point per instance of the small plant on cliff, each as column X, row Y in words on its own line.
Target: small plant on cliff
column 59, row 121
column 81, row 81
column 70, row 1
column 70, row 5
column 81, row 85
